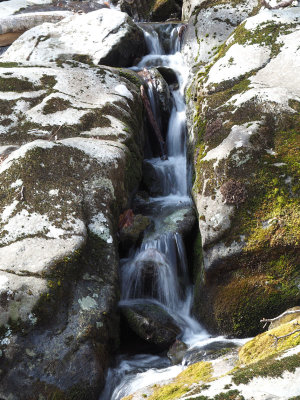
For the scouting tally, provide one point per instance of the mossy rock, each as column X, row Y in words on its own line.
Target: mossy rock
column 196, row 373
column 248, row 198
column 265, row 345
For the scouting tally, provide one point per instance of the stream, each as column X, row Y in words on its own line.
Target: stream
column 171, row 288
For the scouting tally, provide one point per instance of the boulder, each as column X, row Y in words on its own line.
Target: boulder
column 158, row 10
column 151, row 323
column 208, row 352
column 117, row 40
column 70, row 155
column 177, row 352
column 131, row 233
column 181, row 221
column 244, row 132
column 13, row 26
column 163, row 100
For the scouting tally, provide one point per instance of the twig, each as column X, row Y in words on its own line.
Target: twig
column 22, row 197
column 266, row 320
column 54, row 134
column 276, row 338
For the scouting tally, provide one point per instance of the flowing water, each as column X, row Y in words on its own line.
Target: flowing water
column 157, row 272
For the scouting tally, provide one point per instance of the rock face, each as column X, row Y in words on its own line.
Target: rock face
column 151, row 323
column 157, row 10
column 117, row 41
column 71, row 152
column 244, row 124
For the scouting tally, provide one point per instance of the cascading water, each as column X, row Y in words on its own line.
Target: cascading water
column 157, row 272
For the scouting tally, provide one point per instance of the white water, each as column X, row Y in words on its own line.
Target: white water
column 158, row 271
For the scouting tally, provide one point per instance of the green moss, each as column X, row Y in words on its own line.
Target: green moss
column 131, row 76
column 94, row 119
column 262, row 346
column 56, row 104
column 253, row 293
column 8, row 64
column 195, row 373
column 6, row 107
column 230, row 395
column 16, row 85
column 268, row 367
column 48, row 81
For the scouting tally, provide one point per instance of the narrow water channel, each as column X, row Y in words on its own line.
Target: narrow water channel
column 170, row 288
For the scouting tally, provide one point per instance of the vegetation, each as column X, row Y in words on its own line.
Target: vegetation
column 199, row 372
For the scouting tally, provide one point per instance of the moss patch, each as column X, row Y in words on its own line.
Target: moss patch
column 263, row 345
column 56, row 104
column 268, row 367
column 230, row 395
column 16, row 85
column 195, row 373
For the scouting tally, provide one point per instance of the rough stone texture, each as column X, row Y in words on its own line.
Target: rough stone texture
column 70, row 154
column 117, row 40
column 210, row 22
column 157, row 10
column 23, row 22
column 244, row 126
column 131, row 234
column 151, row 323
column 10, row 7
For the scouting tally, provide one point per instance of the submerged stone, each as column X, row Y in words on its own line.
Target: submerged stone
column 151, row 323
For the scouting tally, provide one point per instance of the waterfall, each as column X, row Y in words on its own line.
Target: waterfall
column 157, row 271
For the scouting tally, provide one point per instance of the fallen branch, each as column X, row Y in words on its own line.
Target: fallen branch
column 22, row 197
column 277, row 338
column 282, row 4
column 53, row 134
column 153, row 122
column 266, row 320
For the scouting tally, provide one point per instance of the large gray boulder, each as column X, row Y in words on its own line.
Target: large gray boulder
column 105, row 36
column 13, row 26
column 71, row 151
column 244, row 122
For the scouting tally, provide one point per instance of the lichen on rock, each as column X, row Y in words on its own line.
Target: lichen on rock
column 75, row 132
column 244, row 131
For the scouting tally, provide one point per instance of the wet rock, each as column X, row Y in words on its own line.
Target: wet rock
column 208, row 352
column 117, row 40
column 169, row 75
column 163, row 99
column 157, row 10
column 151, row 179
column 151, row 323
column 160, row 97
column 131, row 233
column 176, row 352
column 181, row 221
